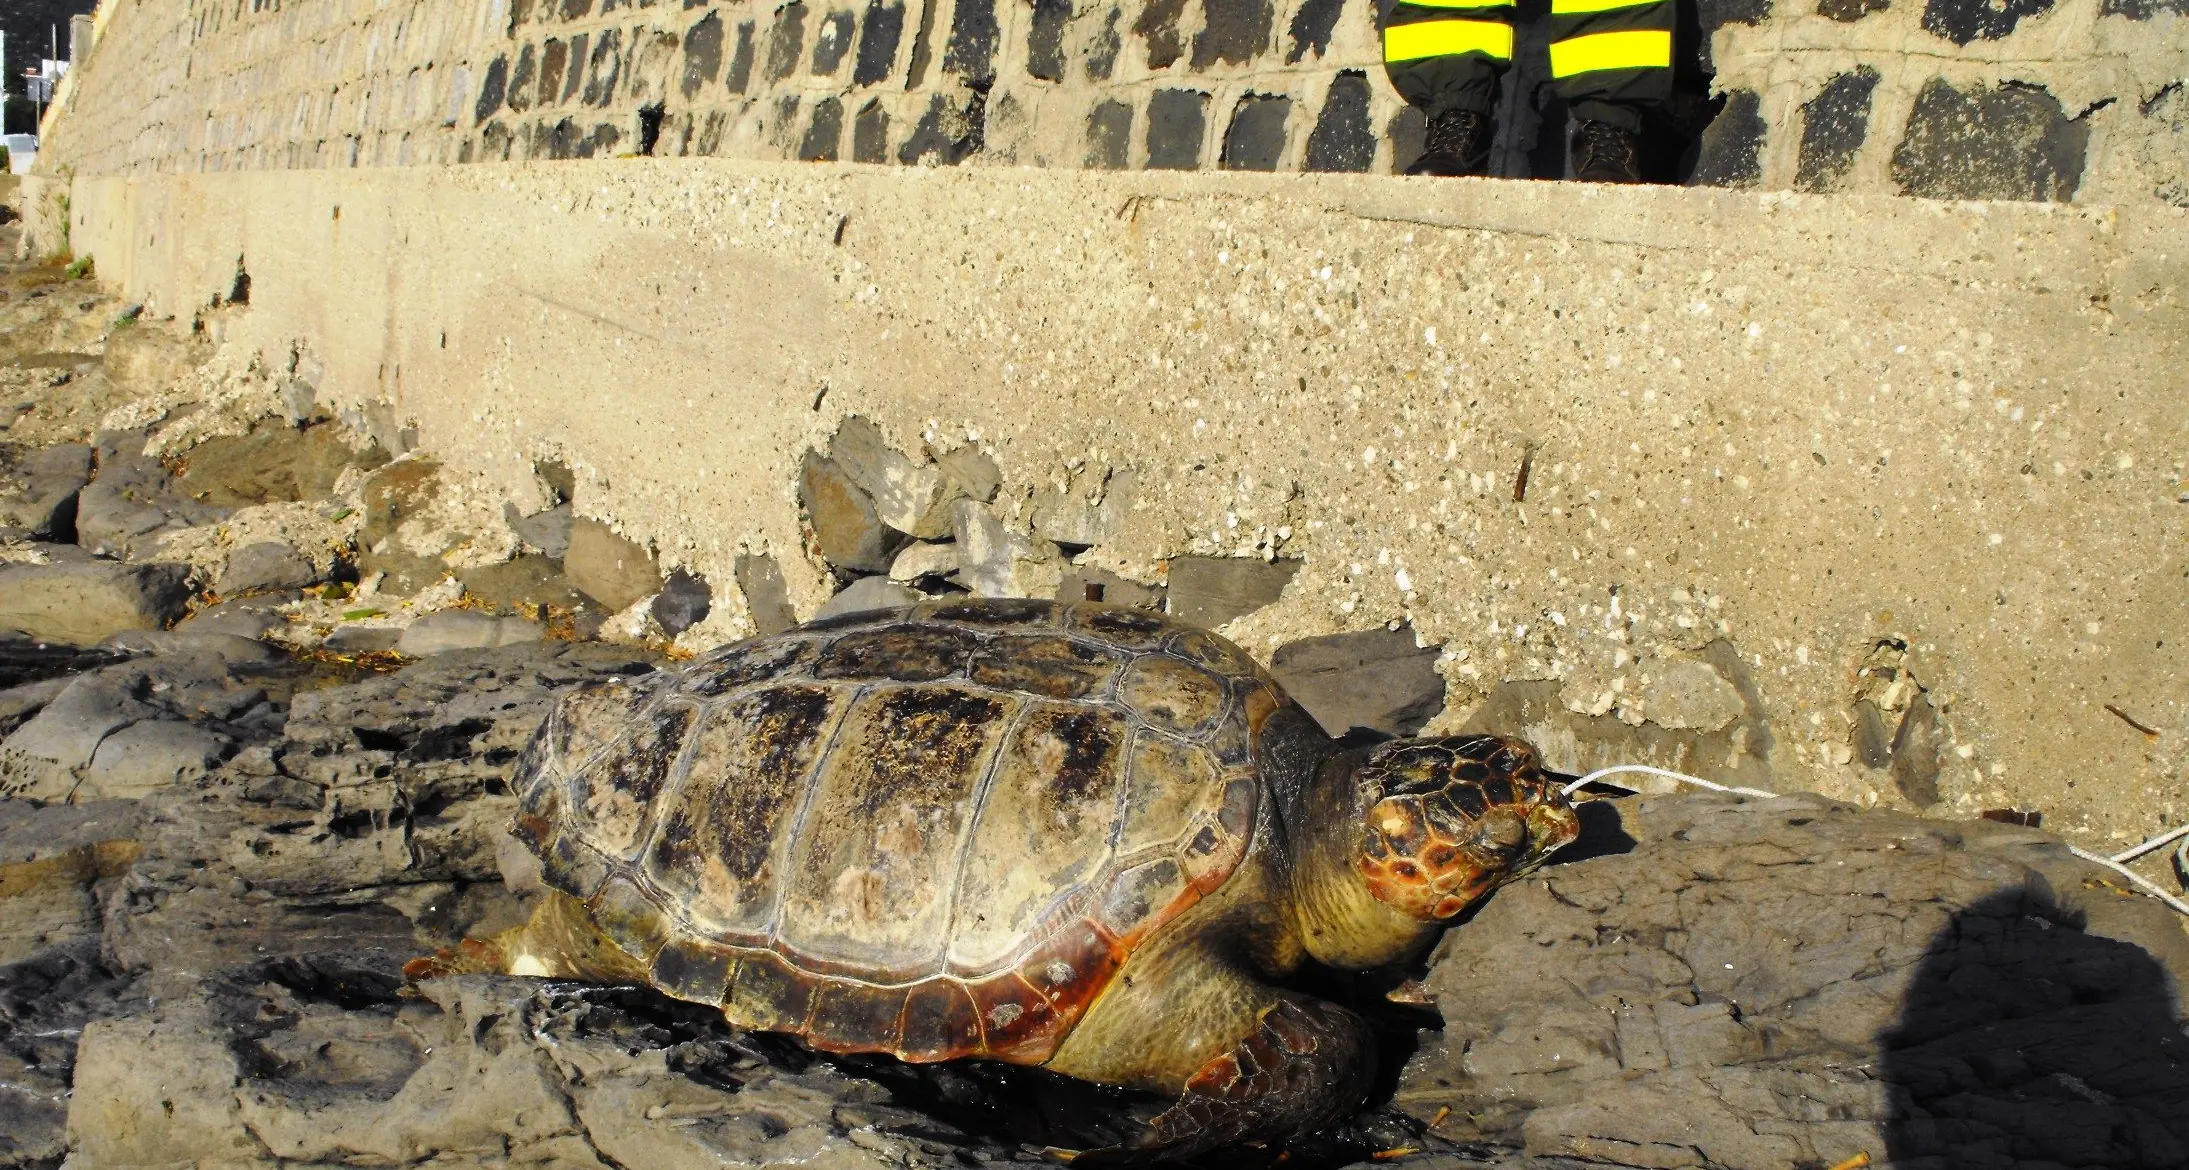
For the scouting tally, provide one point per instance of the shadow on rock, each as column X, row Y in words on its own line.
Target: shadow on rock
column 2025, row 1042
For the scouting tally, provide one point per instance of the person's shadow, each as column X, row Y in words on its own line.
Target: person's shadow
column 2026, row 1043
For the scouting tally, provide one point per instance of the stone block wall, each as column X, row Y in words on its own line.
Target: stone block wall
column 2013, row 99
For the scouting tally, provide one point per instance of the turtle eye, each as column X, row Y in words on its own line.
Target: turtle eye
column 1501, row 834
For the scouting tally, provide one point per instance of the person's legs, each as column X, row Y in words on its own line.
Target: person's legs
column 1611, row 60
column 1445, row 57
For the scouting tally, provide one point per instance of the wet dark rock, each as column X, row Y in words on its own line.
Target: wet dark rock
column 870, row 134
column 1732, row 145
column 1103, row 47
column 832, row 43
column 1256, row 139
column 1158, row 26
column 786, row 40
column 1045, row 39
column 702, row 54
column 38, row 488
column 464, row 629
column 1343, row 138
column 869, row 593
column 608, row 567
column 2009, row 142
column 81, row 604
column 1790, row 982
column 1377, row 679
column 1177, row 122
column 1209, row 591
column 1109, row 135
column 266, row 567
column 846, row 526
column 824, row 140
column 1311, row 29
column 879, row 33
column 767, row 601
column 684, row 602
column 1964, row 21
column 1233, row 32
column 1834, row 125
column 971, row 50
column 45, row 1002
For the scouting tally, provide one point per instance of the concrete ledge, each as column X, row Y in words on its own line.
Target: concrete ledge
column 1775, row 433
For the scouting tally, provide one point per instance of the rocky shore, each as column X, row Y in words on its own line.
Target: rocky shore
column 266, row 667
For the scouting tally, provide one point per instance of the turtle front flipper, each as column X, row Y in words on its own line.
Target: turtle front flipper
column 1301, row 1065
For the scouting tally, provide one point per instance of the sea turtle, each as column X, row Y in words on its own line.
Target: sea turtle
column 1078, row 836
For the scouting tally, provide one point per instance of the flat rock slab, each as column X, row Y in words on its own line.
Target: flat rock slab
column 463, row 629
column 1792, row 982
column 81, row 604
column 608, row 567
column 1376, row 679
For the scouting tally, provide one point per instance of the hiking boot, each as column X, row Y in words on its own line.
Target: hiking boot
column 1604, row 153
column 1457, row 143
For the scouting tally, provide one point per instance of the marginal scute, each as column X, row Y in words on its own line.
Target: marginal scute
column 1045, row 664
column 905, row 653
column 742, row 664
column 694, row 970
column 630, row 918
column 940, row 1022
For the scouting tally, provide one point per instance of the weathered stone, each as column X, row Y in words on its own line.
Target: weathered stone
column 702, row 54
column 1694, row 992
column 684, row 602
column 1687, row 694
column 464, row 629
column 1310, row 33
column 1376, row 679
column 145, row 359
column 767, row 602
column 81, row 604
column 357, row 639
column 1084, row 583
column 1256, row 138
column 1408, row 131
column 1732, row 145
column 547, row 531
column 1343, row 139
column 130, row 503
column 252, row 617
column 151, row 756
column 275, row 461
column 521, row 585
column 51, row 859
column 973, row 470
column 999, row 562
column 392, row 495
column 1916, row 750
column 45, row 757
column 608, row 567
column 869, row 593
column 227, row 649
column 2011, row 142
column 1834, row 125
column 38, row 489
column 1580, row 729
column 911, row 496
column 921, row 559
column 1158, row 26
column 1850, row 11
column 1092, row 511
column 850, row 533
column 18, row 703
column 1103, row 47
column 948, row 132
column 1109, row 136
column 1233, row 32
column 265, row 567
column 1177, row 122
column 832, row 43
column 1209, row 591
column 741, row 61
column 971, row 50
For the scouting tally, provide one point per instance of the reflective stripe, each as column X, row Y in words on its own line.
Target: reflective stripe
column 1646, row 49
column 1476, row 3
column 1448, row 38
column 1578, row 7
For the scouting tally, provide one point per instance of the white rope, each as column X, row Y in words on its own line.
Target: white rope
column 2113, row 863
column 2146, row 885
column 2159, row 842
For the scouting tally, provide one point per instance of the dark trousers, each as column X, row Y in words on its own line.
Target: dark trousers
column 1610, row 59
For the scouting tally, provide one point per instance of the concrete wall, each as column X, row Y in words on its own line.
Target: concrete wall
column 1779, row 435
column 2034, row 99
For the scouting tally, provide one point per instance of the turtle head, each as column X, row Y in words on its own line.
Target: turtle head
column 1415, row 831
column 1452, row 818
